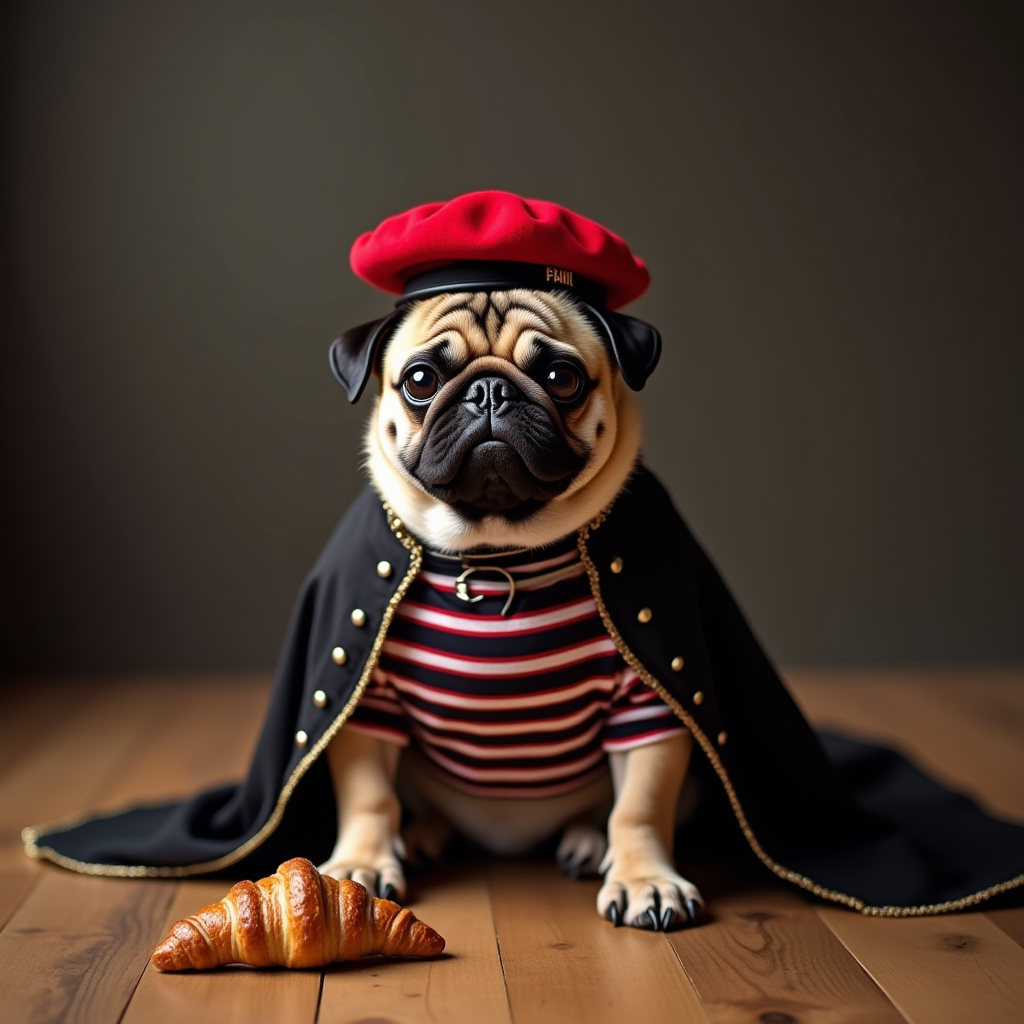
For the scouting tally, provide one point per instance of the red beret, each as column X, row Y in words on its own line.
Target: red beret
column 535, row 242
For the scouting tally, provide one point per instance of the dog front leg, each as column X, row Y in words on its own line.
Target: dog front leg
column 363, row 770
column 642, row 887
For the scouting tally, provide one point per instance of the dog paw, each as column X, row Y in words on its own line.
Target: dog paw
column 384, row 878
column 657, row 901
column 581, row 851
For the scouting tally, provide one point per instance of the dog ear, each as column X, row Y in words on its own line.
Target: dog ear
column 354, row 355
column 635, row 344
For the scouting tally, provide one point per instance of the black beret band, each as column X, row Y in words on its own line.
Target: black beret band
column 493, row 275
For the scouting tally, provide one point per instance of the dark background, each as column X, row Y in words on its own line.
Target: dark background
column 829, row 196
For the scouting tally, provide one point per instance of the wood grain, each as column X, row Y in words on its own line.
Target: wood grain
column 76, row 947
column 465, row 986
column 30, row 710
column 15, row 884
column 205, row 736
column 224, row 996
column 766, row 956
column 938, row 970
column 1011, row 921
column 132, row 743
column 993, row 697
column 937, row 721
column 564, row 964
column 68, row 770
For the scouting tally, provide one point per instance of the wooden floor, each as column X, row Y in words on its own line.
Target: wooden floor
column 524, row 944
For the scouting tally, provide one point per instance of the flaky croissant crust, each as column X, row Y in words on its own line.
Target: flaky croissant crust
column 294, row 918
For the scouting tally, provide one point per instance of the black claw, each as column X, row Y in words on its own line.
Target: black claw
column 693, row 910
column 614, row 914
column 668, row 919
column 653, row 924
column 389, row 892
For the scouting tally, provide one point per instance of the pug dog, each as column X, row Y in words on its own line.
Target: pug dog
column 504, row 422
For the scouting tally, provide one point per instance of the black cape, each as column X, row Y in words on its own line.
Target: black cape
column 852, row 823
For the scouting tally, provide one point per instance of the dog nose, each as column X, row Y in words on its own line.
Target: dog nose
column 492, row 393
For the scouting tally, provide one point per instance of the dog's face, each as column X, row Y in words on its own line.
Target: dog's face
column 501, row 421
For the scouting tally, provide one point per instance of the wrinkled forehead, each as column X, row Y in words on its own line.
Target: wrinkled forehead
column 509, row 324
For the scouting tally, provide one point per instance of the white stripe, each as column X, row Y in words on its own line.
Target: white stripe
column 625, row 679
column 495, row 667
column 479, row 586
column 642, row 696
column 515, row 774
column 393, row 706
column 640, row 741
column 596, row 684
column 493, row 753
column 583, row 608
column 638, row 714
column 505, row 728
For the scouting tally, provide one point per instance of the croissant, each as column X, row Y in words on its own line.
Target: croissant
column 295, row 918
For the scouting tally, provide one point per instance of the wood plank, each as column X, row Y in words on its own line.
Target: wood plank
column 15, row 885
column 1011, row 921
column 938, row 970
column 464, row 986
column 68, row 770
column 148, row 740
column 204, row 737
column 564, row 964
column 993, row 698
column 32, row 707
column 900, row 709
column 75, row 949
column 766, row 956
column 224, row 996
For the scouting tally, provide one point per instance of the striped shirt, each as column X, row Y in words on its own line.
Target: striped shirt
column 526, row 704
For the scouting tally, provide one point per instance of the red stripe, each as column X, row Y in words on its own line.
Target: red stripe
column 587, row 610
column 492, row 668
column 513, row 728
column 512, row 701
column 643, row 738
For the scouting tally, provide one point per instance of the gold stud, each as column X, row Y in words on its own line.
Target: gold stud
column 396, row 523
column 301, row 738
column 644, row 615
column 677, row 664
column 698, row 697
column 358, row 617
column 339, row 656
column 320, row 698
column 383, row 570
column 722, row 737
column 616, row 565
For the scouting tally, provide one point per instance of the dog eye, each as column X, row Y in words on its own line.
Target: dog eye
column 563, row 382
column 421, row 384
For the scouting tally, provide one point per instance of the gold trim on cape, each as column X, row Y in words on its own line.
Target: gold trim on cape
column 32, row 834
column 723, row 776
